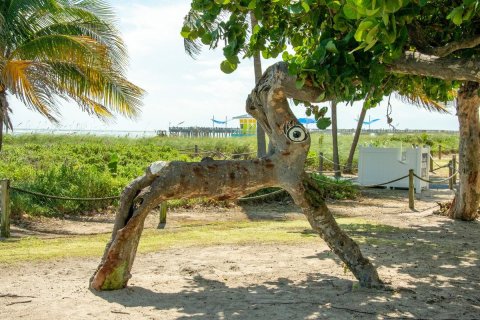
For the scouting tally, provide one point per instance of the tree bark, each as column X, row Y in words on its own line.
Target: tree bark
column 3, row 114
column 356, row 137
column 232, row 179
column 466, row 203
column 257, row 67
column 336, row 157
column 415, row 63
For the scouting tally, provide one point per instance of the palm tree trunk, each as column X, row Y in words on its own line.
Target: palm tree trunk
column 336, row 158
column 3, row 113
column 356, row 137
column 465, row 205
column 257, row 66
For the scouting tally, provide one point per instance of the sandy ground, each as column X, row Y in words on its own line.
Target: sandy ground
column 432, row 274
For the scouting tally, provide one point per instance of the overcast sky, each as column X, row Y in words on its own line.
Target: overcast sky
column 181, row 89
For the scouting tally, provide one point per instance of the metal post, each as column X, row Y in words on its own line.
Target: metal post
column 450, row 172
column 439, row 152
column 163, row 215
column 5, row 208
column 320, row 162
column 454, row 169
column 411, row 190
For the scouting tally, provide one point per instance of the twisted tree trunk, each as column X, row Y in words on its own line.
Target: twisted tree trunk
column 284, row 167
column 466, row 203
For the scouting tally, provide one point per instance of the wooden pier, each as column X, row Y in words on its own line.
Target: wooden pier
column 194, row 132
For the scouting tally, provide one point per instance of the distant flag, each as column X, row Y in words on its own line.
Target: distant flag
column 306, row 120
column 371, row 121
column 219, row 122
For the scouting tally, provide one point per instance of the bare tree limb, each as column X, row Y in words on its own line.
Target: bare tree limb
column 414, row 63
column 451, row 47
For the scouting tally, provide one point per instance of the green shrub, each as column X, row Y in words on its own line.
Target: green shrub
column 335, row 189
column 96, row 166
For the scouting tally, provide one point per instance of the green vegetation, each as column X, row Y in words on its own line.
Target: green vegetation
column 89, row 166
column 217, row 233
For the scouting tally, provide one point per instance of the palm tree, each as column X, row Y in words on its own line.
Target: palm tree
column 55, row 50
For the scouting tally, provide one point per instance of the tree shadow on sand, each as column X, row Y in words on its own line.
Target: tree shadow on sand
column 438, row 264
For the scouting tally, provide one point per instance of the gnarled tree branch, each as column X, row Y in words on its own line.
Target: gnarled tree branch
column 454, row 46
column 284, row 167
column 414, row 63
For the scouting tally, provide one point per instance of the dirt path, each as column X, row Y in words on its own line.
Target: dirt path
column 431, row 262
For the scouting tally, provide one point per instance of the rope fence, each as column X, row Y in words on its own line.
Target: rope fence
column 5, row 188
column 49, row 196
column 436, row 181
column 263, row 196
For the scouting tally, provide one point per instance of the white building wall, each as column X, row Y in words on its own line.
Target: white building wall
column 379, row 165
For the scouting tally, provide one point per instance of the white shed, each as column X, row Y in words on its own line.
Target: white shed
column 379, row 165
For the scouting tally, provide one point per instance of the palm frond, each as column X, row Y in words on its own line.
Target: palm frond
column 96, row 89
column 192, row 47
column 420, row 100
column 66, row 49
column 58, row 47
column 16, row 77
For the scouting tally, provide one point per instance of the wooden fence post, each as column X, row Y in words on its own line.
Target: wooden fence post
column 5, row 208
column 454, row 169
column 450, row 172
column 196, row 151
column 431, row 163
column 411, row 190
column 163, row 215
column 439, row 152
column 320, row 162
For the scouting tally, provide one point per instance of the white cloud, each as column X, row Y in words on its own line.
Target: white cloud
column 183, row 89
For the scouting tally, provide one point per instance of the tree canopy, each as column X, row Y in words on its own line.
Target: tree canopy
column 63, row 49
column 352, row 49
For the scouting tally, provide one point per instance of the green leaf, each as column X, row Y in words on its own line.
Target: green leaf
column 331, row 47
column 392, row 6
column 252, row 5
column 371, row 35
column 456, row 15
column 296, row 8
column 206, row 38
column 362, row 29
column 372, row 13
column 185, row 32
column 299, row 83
column 350, row 11
column 323, row 123
column 321, row 97
column 386, row 19
column 228, row 67
column 322, row 112
column 334, row 4
column 305, row 6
